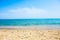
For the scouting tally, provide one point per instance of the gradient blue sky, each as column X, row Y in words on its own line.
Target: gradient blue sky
column 18, row 9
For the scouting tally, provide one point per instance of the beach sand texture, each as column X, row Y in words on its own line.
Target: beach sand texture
column 29, row 34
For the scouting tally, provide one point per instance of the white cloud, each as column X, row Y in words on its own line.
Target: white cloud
column 24, row 13
column 28, row 10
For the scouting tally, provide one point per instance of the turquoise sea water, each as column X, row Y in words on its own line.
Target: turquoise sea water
column 28, row 22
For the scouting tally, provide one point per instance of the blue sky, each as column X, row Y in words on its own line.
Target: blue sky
column 18, row 9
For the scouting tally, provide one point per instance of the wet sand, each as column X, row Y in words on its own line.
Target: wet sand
column 29, row 34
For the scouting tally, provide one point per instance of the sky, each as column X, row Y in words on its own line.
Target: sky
column 26, row 9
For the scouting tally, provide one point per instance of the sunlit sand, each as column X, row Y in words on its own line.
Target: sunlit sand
column 29, row 34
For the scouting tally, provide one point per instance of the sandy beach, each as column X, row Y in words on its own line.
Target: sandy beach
column 29, row 34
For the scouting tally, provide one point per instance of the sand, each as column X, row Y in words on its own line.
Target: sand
column 29, row 34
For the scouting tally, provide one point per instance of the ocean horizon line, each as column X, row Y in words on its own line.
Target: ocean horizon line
column 30, row 18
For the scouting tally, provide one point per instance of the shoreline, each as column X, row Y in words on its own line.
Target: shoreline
column 57, row 27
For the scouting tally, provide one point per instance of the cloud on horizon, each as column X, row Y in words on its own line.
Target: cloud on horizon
column 24, row 13
column 27, row 10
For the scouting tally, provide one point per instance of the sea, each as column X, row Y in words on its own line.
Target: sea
column 28, row 22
